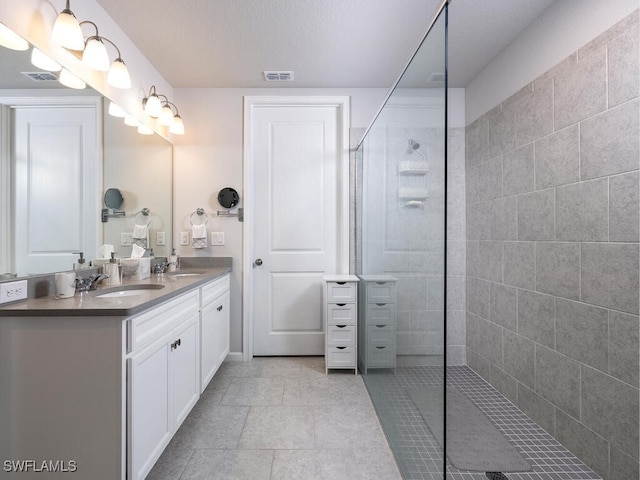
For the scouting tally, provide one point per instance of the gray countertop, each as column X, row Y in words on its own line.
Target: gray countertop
column 90, row 304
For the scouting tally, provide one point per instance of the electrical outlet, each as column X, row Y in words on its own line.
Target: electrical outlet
column 217, row 238
column 13, row 291
column 126, row 239
column 184, row 238
column 161, row 239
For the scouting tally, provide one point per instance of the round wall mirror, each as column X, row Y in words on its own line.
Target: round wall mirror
column 228, row 197
column 113, row 198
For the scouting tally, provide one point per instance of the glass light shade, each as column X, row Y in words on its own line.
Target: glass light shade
column 68, row 79
column 116, row 111
column 66, row 31
column 43, row 61
column 95, row 55
column 10, row 39
column 144, row 130
column 118, row 75
column 131, row 121
column 153, row 107
column 177, row 126
column 166, row 116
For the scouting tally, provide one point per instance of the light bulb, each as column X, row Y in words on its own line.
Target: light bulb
column 131, row 121
column 177, row 126
column 144, row 130
column 11, row 40
column 118, row 75
column 43, row 61
column 66, row 31
column 116, row 111
column 68, row 79
column 95, row 55
column 153, row 106
column 166, row 115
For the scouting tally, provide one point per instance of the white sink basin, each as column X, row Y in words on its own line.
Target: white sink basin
column 128, row 291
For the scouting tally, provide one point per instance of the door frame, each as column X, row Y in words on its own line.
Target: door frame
column 251, row 103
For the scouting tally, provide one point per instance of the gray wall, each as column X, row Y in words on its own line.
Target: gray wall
column 552, row 250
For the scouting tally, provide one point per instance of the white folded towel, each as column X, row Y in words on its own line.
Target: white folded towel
column 137, row 251
column 141, row 236
column 199, row 236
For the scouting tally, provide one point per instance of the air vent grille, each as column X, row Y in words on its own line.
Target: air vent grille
column 278, row 76
column 41, row 76
column 436, row 77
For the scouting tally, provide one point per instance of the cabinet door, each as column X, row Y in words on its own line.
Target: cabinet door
column 208, row 357
column 185, row 373
column 149, row 421
column 223, row 318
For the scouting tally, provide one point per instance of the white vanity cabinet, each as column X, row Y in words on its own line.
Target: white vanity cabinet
column 164, row 378
column 340, row 320
column 214, row 328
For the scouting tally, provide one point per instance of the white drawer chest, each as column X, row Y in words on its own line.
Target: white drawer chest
column 377, row 325
column 341, row 321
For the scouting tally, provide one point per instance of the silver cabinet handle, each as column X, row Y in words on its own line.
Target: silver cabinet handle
column 258, row 262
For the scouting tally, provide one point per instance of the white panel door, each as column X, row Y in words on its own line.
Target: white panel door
column 297, row 223
column 55, row 159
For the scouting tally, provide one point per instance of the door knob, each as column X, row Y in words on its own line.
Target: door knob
column 258, row 262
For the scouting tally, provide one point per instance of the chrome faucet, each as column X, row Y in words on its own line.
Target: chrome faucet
column 89, row 283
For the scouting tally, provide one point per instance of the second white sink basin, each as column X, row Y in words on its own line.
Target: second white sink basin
column 128, row 290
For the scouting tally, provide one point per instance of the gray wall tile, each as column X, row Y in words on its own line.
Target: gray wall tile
column 536, row 215
column 490, row 179
column 456, row 292
column 518, row 171
column 478, row 364
column 558, row 380
column 456, row 222
column 502, row 129
column 504, row 220
column 490, row 261
column 477, row 142
column 557, row 158
column 610, row 408
column 582, row 332
column 490, row 341
column 582, row 211
column 590, row 447
column 471, row 184
column 534, row 112
column 504, row 306
column 536, row 317
column 519, row 267
column 624, row 205
column 478, row 297
column 624, row 344
column 504, row 383
column 434, row 290
column 610, row 142
column 472, row 258
column 537, row 408
column 519, row 358
column 456, row 257
column 456, row 321
column 621, row 465
column 580, row 91
column 558, row 269
column 471, row 331
column 610, row 275
column 624, row 68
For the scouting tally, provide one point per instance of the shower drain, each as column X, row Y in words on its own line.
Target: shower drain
column 496, row 476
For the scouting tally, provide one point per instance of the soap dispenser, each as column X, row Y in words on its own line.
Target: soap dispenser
column 173, row 261
column 81, row 264
column 113, row 270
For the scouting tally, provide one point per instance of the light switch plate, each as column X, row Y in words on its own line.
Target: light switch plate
column 161, row 239
column 13, row 291
column 184, row 238
column 217, row 239
column 126, row 239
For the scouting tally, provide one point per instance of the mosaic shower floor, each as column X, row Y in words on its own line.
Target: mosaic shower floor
column 419, row 456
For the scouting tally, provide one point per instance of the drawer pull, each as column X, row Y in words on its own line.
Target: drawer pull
column 379, row 348
column 381, row 304
column 341, row 283
column 341, row 304
column 341, row 348
column 380, row 326
column 340, row 326
column 381, row 283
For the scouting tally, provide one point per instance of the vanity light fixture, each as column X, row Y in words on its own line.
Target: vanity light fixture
column 66, row 30
column 151, row 104
column 131, row 121
column 95, row 56
column 68, row 79
column 168, row 119
column 177, row 126
column 11, row 40
column 144, row 130
column 116, row 111
column 44, row 61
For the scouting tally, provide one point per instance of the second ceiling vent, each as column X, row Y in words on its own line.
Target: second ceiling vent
column 278, row 76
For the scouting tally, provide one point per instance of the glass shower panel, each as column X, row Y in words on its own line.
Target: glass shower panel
column 400, row 259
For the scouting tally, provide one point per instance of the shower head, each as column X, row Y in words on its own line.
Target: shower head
column 413, row 145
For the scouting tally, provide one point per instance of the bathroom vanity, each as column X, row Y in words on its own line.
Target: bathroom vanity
column 102, row 381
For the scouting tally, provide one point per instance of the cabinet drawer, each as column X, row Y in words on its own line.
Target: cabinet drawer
column 341, row 335
column 381, row 292
column 381, row 356
column 341, row 357
column 381, row 314
column 215, row 289
column 341, row 292
column 155, row 322
column 381, row 334
column 341, row 314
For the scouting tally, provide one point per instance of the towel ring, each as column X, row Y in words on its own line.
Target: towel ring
column 142, row 218
column 200, row 213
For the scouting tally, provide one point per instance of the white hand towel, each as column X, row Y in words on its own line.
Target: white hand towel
column 141, row 236
column 199, row 236
column 137, row 251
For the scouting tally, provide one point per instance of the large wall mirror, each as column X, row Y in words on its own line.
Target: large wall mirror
column 60, row 151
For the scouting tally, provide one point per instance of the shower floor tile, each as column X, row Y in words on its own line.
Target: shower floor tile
column 419, row 456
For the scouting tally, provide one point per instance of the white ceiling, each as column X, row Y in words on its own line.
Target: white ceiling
column 327, row 43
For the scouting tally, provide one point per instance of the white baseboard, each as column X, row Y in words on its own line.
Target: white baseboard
column 234, row 357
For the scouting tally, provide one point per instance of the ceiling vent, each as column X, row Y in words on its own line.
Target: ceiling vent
column 278, row 76
column 436, row 77
column 41, row 76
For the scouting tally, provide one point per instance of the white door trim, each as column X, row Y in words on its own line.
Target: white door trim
column 250, row 104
